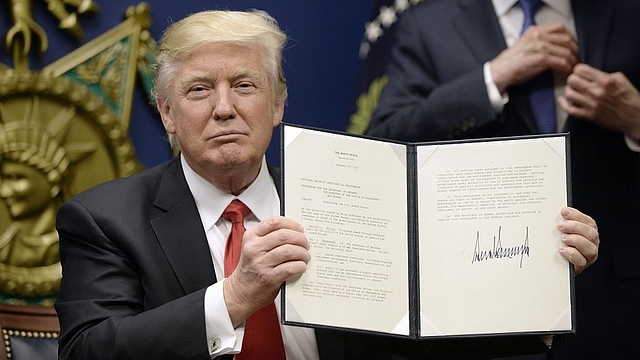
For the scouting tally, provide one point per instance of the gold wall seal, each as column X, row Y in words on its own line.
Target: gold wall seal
column 57, row 138
column 63, row 130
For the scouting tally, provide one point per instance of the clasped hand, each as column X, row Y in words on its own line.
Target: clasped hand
column 540, row 48
column 609, row 100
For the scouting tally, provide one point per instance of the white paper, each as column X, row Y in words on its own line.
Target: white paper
column 350, row 195
column 488, row 243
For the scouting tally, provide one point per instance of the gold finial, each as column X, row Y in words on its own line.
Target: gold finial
column 25, row 31
column 22, row 34
column 69, row 21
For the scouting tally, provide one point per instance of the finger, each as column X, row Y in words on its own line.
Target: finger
column 598, row 83
column 283, row 263
column 579, row 250
column 580, row 97
column 580, row 238
column 556, row 51
column 555, row 33
column 574, row 257
column 571, row 109
column 561, row 61
column 563, row 40
column 286, row 270
column 565, row 55
column 589, row 73
column 581, row 229
column 269, row 268
column 286, row 253
column 274, row 223
column 588, row 248
column 558, row 27
column 570, row 213
column 579, row 83
column 257, row 246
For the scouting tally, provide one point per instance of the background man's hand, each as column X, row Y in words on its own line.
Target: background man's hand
column 609, row 100
column 544, row 47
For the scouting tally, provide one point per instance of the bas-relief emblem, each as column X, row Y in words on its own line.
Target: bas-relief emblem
column 63, row 129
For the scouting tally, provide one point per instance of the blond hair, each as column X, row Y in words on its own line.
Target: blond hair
column 252, row 28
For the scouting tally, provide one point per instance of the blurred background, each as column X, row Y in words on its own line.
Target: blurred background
column 321, row 58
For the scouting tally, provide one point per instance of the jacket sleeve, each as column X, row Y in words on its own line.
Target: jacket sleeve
column 435, row 88
column 102, row 307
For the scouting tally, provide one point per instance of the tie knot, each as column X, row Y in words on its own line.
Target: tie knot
column 236, row 211
column 529, row 7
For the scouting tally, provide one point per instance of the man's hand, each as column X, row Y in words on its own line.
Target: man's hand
column 540, row 48
column 580, row 238
column 273, row 251
column 609, row 100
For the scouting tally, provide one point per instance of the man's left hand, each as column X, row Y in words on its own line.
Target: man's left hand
column 580, row 238
column 609, row 100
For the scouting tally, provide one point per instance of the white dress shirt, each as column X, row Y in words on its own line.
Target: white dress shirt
column 262, row 198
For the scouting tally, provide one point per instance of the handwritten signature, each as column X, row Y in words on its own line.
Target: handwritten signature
column 499, row 252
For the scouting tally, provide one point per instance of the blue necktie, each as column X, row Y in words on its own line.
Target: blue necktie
column 541, row 96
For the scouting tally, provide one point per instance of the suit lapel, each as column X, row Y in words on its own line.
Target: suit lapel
column 277, row 179
column 179, row 231
column 478, row 26
column 589, row 15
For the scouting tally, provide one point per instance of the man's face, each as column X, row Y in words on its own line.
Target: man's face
column 222, row 110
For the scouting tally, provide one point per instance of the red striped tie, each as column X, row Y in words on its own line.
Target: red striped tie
column 262, row 339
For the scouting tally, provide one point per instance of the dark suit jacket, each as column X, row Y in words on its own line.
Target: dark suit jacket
column 136, row 265
column 436, row 91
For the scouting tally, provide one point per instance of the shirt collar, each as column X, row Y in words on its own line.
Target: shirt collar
column 211, row 201
column 502, row 6
column 563, row 6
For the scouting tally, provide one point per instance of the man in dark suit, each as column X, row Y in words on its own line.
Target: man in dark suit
column 460, row 70
column 144, row 258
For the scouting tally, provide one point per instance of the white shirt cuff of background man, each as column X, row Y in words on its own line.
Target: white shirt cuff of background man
column 497, row 101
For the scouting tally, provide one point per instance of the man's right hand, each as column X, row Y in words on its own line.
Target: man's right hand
column 273, row 251
column 540, row 48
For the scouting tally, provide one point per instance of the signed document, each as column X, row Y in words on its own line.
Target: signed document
column 425, row 240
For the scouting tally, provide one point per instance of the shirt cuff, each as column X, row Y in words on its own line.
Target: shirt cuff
column 632, row 144
column 497, row 101
column 222, row 338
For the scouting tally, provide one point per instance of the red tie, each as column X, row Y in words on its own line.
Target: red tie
column 262, row 338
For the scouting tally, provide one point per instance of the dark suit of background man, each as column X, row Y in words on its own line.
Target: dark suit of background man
column 459, row 71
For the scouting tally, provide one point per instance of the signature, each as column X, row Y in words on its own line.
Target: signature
column 499, row 252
